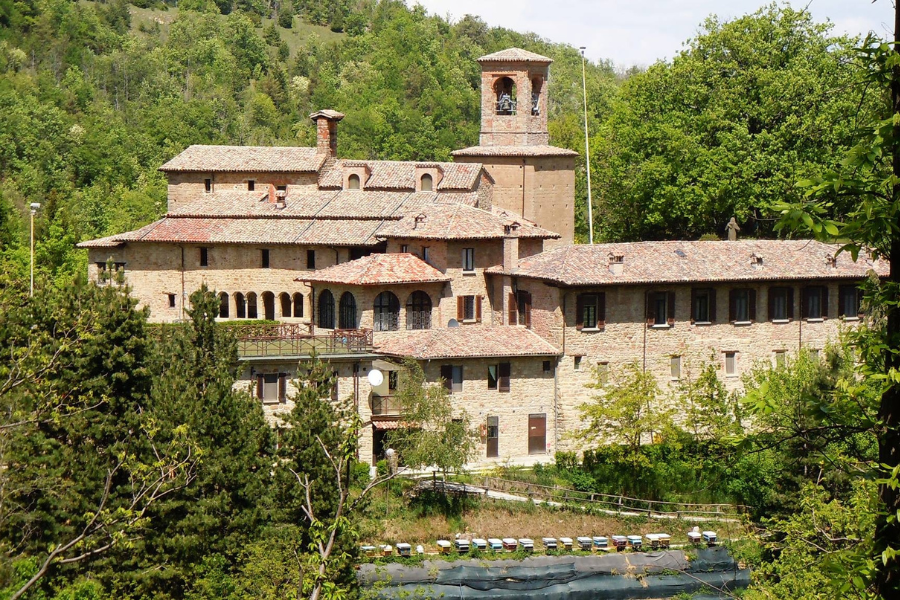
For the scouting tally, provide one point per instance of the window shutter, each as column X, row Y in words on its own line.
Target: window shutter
column 460, row 308
column 712, row 305
column 751, row 302
column 579, row 312
column 790, row 303
column 478, row 309
column 513, row 310
column 601, row 310
column 824, row 289
column 447, row 377
column 731, row 299
column 693, row 304
column 842, row 305
column 259, row 386
column 770, row 302
column 651, row 319
column 282, row 387
column 505, row 372
column 670, row 309
column 804, row 303
column 527, row 310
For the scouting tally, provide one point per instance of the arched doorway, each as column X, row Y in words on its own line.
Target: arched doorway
column 240, row 306
column 298, row 304
column 252, row 313
column 268, row 300
column 347, row 317
column 223, row 305
column 326, row 310
column 285, row 299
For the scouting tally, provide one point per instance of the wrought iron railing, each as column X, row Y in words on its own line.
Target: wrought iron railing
column 418, row 319
column 385, row 406
column 295, row 339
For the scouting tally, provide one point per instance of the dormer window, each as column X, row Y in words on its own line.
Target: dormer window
column 353, row 182
column 427, row 183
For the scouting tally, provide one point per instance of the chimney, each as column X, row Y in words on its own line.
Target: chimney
column 616, row 263
column 326, row 130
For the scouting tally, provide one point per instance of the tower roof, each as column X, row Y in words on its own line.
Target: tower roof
column 515, row 55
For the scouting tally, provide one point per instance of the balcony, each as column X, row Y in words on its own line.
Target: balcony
column 385, row 406
column 289, row 340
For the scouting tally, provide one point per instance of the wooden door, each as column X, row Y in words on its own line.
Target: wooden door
column 493, row 437
column 537, row 434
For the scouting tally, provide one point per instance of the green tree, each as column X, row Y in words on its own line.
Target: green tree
column 711, row 412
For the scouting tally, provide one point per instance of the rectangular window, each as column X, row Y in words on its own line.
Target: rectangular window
column 426, row 254
column 310, row 259
column 577, row 362
column 849, row 301
column 251, row 185
column 779, row 358
column 590, row 309
column 492, row 377
column 548, row 366
column 661, row 308
column 264, row 259
column 492, row 437
column 740, row 306
column 204, row 257
column 452, row 376
column 703, row 305
column 469, row 308
column 505, row 374
column 675, row 367
column 207, row 185
column 393, row 380
column 781, row 303
column 171, row 300
column 731, row 363
column 603, row 373
column 271, row 388
column 468, row 259
column 404, row 248
column 815, row 302
column 522, row 308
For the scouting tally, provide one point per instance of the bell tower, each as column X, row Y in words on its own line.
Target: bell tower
column 530, row 177
column 514, row 98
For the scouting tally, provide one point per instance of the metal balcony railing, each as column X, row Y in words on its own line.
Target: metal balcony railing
column 259, row 341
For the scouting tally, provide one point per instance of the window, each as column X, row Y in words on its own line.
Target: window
column 520, row 308
column 285, row 300
column 171, row 300
column 848, row 299
column 204, row 257
column 426, row 254
column 468, row 308
column 393, row 380
column 251, row 185
column 310, row 259
column 326, row 310
column 418, row 311
column 675, row 367
column 271, row 388
column 264, row 258
column 703, row 305
column 731, row 363
column 603, row 373
column 240, row 306
column 548, row 366
column 298, row 305
column 590, row 311
column 661, row 309
column 468, row 259
column 353, row 182
column 577, row 363
column 815, row 302
column 427, row 182
column 110, row 273
column 492, row 377
column 207, row 185
column 452, row 376
column 781, row 303
column 387, row 312
column 742, row 306
column 404, row 248
column 223, row 304
column 492, row 437
column 779, row 358
column 347, row 315
column 251, row 306
column 505, row 373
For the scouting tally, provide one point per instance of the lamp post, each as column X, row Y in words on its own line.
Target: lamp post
column 35, row 206
column 587, row 151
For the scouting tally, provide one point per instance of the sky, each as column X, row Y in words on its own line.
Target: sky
column 640, row 32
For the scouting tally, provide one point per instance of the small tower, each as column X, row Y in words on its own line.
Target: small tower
column 514, row 98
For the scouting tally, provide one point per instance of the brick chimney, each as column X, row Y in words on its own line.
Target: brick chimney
column 326, row 130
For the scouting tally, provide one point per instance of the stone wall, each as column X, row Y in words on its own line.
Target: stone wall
column 189, row 186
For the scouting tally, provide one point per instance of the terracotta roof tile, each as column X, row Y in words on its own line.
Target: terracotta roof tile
column 379, row 269
column 340, row 232
column 515, row 55
column 465, row 342
column 536, row 150
column 682, row 262
column 269, row 159
column 458, row 221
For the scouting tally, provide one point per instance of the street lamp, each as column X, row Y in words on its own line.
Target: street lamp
column 587, row 151
column 35, row 206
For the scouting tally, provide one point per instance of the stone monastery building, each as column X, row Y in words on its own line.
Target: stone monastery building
column 468, row 267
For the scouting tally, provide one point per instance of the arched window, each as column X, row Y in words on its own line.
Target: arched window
column 251, row 306
column 298, row 304
column 268, row 300
column 387, row 312
column 418, row 311
column 285, row 300
column 240, row 306
column 348, row 311
column 427, row 182
column 326, row 310
column 505, row 90
column 353, row 182
column 223, row 305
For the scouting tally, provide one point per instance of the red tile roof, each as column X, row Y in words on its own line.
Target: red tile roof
column 466, row 341
column 262, row 159
column 401, row 175
column 683, row 262
column 536, row 150
column 379, row 269
column 515, row 55
column 460, row 222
